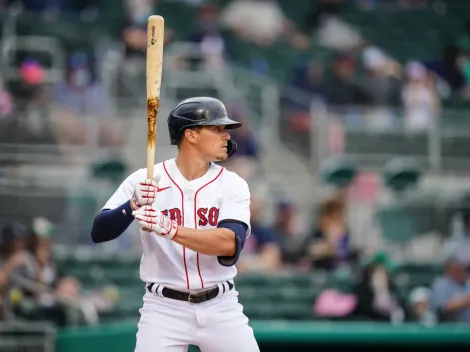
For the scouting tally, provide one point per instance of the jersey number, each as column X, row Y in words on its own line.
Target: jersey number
column 208, row 216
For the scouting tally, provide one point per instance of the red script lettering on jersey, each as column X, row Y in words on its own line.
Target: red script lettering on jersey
column 208, row 216
column 174, row 214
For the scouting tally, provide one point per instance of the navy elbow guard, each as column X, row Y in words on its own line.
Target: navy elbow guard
column 239, row 228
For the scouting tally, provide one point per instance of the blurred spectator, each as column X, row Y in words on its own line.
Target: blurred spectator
column 381, row 85
column 380, row 88
column 6, row 101
column 463, row 59
column 464, row 64
column 247, row 146
column 14, row 266
column 336, row 34
column 305, row 87
column 451, row 291
column 328, row 246
column 25, row 112
column 259, row 21
column 376, row 292
column 40, row 247
column 460, row 237
column 420, row 307
column 450, row 69
column 82, row 99
column 341, row 88
column 82, row 93
column 29, row 121
column 287, row 232
column 318, row 11
column 307, row 84
column 261, row 251
column 332, row 303
column 29, row 283
column 31, row 85
column 34, row 100
column 246, row 160
column 134, row 34
column 207, row 35
column 134, row 39
column 419, row 97
column 32, row 72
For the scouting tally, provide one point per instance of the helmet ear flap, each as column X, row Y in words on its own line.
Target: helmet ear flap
column 231, row 147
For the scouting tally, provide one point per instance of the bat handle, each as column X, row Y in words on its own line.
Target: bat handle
column 150, row 161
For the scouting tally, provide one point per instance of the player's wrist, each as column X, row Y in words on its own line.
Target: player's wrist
column 170, row 231
column 173, row 232
column 134, row 205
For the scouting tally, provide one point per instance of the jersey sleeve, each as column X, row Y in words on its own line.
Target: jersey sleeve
column 123, row 193
column 236, row 202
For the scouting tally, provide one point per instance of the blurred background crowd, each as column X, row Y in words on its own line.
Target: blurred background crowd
column 355, row 145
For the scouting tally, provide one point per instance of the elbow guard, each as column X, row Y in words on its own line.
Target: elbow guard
column 239, row 229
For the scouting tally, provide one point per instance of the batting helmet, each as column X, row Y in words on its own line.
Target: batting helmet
column 200, row 111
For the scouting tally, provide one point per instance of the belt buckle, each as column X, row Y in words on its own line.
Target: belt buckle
column 189, row 299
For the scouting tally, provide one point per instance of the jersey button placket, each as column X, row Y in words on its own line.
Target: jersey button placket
column 189, row 194
column 189, row 199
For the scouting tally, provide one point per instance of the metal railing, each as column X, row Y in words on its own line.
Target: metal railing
column 372, row 136
column 52, row 135
column 27, row 336
column 12, row 43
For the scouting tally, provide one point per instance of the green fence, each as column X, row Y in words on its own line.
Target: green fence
column 298, row 336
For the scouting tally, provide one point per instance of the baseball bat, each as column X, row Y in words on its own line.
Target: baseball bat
column 155, row 31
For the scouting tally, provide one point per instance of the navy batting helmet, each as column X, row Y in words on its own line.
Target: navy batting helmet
column 200, row 111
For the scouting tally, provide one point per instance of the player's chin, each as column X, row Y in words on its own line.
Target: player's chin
column 222, row 156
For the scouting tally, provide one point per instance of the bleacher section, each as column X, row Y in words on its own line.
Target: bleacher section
column 263, row 296
column 415, row 34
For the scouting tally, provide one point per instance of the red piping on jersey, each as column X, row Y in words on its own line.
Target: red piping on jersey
column 195, row 222
column 182, row 220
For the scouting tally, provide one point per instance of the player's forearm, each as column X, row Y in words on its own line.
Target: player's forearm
column 216, row 242
column 110, row 224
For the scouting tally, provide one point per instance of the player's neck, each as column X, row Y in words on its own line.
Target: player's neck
column 191, row 166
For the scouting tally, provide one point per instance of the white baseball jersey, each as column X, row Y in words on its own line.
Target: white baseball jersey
column 201, row 203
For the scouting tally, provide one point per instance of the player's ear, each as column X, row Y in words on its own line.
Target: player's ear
column 191, row 134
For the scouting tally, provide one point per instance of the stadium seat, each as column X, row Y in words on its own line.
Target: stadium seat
column 396, row 223
column 338, row 171
column 401, row 173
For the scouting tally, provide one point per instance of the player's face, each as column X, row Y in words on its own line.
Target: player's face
column 212, row 142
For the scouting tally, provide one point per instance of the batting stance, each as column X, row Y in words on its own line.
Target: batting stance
column 194, row 218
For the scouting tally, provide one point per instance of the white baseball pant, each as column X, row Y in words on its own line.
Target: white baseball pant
column 218, row 325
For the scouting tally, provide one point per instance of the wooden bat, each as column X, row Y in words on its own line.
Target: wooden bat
column 155, row 31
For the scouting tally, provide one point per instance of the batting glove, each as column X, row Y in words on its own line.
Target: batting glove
column 144, row 192
column 151, row 220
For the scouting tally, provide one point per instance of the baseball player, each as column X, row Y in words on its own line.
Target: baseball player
column 194, row 218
